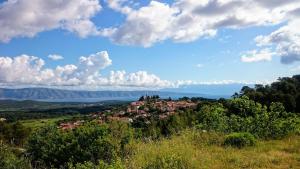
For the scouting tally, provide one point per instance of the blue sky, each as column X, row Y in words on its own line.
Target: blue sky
column 209, row 58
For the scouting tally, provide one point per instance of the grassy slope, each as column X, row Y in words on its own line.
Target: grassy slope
column 205, row 151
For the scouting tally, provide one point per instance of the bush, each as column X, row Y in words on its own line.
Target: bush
column 239, row 140
column 212, row 118
column 9, row 160
column 169, row 162
column 90, row 142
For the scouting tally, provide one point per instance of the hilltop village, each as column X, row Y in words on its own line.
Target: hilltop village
column 143, row 109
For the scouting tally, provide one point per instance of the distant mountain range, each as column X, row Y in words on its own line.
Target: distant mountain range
column 47, row 94
column 58, row 95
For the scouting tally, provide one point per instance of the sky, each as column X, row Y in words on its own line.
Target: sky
column 131, row 44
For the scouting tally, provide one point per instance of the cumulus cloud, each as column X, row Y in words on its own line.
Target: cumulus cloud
column 257, row 56
column 26, row 18
column 286, row 41
column 55, row 57
column 30, row 70
column 188, row 20
column 180, row 20
column 145, row 25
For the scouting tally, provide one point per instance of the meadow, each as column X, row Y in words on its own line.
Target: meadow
column 200, row 150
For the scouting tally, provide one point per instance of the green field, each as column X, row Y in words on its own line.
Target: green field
column 37, row 123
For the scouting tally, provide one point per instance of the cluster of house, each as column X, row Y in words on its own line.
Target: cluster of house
column 2, row 119
column 161, row 105
column 144, row 109
column 135, row 110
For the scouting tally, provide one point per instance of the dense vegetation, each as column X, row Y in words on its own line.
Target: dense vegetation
column 93, row 142
column 286, row 91
column 237, row 132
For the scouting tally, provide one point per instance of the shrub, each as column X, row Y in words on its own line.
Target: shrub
column 239, row 140
column 169, row 162
column 102, row 165
column 212, row 118
column 90, row 142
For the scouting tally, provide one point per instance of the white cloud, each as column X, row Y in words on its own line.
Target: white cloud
column 26, row 18
column 137, row 79
column 55, row 57
column 286, row 41
column 188, row 20
column 118, row 5
column 30, row 70
column 25, row 70
column 257, row 56
column 179, row 21
column 145, row 26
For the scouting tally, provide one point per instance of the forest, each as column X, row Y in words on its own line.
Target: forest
column 257, row 128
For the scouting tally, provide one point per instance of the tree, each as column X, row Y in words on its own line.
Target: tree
column 286, row 90
column 142, row 98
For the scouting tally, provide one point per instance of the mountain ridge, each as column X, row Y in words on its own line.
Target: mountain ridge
column 50, row 94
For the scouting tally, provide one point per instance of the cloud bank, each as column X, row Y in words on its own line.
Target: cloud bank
column 30, row 70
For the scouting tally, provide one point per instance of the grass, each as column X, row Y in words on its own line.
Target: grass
column 205, row 151
column 37, row 123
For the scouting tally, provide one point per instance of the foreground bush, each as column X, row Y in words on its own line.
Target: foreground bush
column 239, row 140
column 13, row 133
column 91, row 142
column 8, row 160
